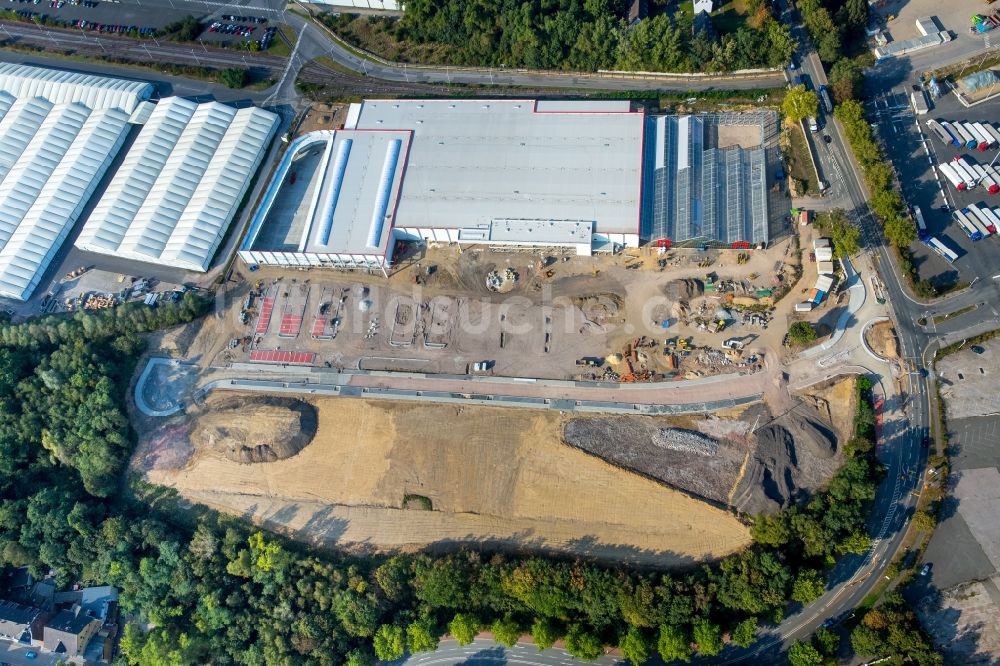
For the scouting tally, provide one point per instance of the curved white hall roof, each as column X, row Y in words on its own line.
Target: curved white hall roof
column 59, row 132
column 62, row 87
column 178, row 188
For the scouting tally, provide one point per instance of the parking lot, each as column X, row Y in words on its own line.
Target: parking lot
column 229, row 24
column 914, row 150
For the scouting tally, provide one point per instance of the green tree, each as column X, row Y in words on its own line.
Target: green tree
column 635, row 646
column 924, row 522
column 900, row 231
column 582, row 643
column 804, row 654
column 771, row 530
column 708, row 636
column 464, row 628
column 826, row 641
column 801, row 332
column 421, row 637
column 673, row 644
column 809, row 586
column 389, row 642
column 754, row 581
column 866, row 641
column 800, row 103
column 846, row 80
column 544, row 633
column 506, row 630
column 360, row 657
column 745, row 633
column 856, row 543
column 234, row 77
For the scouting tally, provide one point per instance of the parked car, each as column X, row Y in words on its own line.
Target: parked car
column 926, row 570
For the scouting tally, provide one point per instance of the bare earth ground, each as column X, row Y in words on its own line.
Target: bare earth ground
column 496, row 477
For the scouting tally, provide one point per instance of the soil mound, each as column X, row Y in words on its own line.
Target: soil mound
column 684, row 289
column 255, row 430
column 793, row 453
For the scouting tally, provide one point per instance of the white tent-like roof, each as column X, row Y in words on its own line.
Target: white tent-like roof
column 59, row 132
column 63, row 87
column 178, row 188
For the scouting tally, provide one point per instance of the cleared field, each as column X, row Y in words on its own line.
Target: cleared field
column 495, row 477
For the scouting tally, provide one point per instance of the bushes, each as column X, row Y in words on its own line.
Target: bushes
column 892, row 631
column 185, row 30
column 234, row 77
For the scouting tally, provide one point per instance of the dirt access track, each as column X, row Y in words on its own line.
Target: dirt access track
column 495, row 478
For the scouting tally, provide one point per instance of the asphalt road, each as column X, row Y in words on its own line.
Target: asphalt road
column 485, row 652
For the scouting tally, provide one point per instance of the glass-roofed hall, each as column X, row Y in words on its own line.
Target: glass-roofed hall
column 709, row 178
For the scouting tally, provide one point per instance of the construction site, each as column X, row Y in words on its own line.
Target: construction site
column 645, row 384
column 643, row 315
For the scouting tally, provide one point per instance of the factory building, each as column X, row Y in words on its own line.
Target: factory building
column 561, row 176
column 179, row 186
column 59, row 133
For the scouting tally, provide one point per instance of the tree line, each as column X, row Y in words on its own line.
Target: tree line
column 585, row 35
column 200, row 587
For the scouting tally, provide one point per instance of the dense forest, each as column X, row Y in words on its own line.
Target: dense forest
column 198, row 587
column 585, row 35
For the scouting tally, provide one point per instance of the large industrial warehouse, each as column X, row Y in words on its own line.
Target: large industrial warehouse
column 495, row 172
column 59, row 132
column 180, row 184
column 580, row 176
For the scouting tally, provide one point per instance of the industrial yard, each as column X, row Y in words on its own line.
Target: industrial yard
column 635, row 316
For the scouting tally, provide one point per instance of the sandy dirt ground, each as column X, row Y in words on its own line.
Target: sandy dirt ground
column 496, row 477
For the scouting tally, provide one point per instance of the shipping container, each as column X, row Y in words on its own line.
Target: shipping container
column 952, row 176
column 965, row 172
column 966, row 225
column 981, row 143
column 941, row 133
column 967, row 139
column 977, row 222
column 804, row 306
column 956, row 138
column 941, row 249
column 984, row 218
column 993, row 132
column 824, row 254
column 991, row 141
column 921, row 225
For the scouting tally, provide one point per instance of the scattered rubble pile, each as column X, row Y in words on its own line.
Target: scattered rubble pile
column 755, row 472
column 687, row 441
column 684, row 459
column 497, row 281
column 254, row 430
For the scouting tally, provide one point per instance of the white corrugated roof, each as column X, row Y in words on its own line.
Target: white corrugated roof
column 59, row 131
column 63, row 87
column 180, row 184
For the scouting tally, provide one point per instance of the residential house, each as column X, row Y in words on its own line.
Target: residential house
column 69, row 631
column 19, row 623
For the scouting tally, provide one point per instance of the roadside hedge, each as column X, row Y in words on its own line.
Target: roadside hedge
column 887, row 204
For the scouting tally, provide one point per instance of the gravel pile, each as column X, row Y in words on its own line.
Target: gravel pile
column 687, row 441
